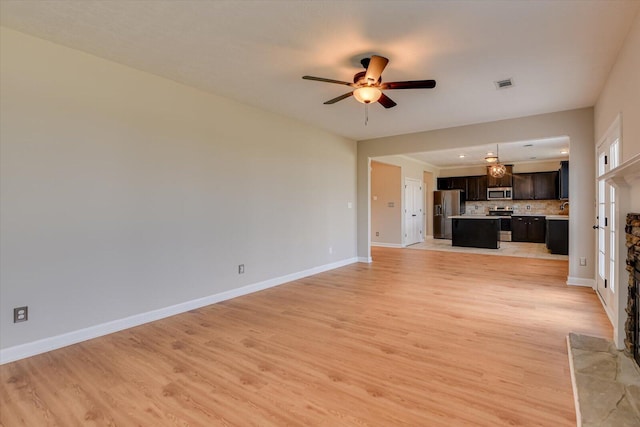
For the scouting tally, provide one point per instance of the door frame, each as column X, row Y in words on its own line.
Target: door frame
column 615, row 209
column 420, row 205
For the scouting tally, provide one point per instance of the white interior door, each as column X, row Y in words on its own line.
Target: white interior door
column 608, row 158
column 413, row 218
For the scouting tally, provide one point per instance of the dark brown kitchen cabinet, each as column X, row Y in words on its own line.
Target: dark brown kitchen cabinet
column 528, row 229
column 477, row 188
column 563, row 180
column 505, row 181
column 535, row 186
column 444, row 183
column 453, row 183
column 523, row 186
column 558, row 236
column 545, row 185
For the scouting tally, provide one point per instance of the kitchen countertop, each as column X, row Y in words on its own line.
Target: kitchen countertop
column 477, row 217
column 560, row 217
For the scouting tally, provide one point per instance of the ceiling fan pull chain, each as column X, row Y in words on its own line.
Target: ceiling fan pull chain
column 366, row 114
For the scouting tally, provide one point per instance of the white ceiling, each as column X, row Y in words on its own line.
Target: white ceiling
column 511, row 153
column 557, row 52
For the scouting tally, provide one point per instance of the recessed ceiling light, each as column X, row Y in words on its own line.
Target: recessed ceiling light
column 564, row 151
column 528, row 145
column 461, row 156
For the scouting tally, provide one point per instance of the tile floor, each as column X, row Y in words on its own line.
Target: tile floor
column 517, row 249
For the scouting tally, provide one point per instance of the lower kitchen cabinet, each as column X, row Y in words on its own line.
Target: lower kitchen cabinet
column 528, row 229
column 558, row 236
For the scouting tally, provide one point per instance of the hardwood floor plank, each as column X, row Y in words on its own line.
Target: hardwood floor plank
column 415, row 338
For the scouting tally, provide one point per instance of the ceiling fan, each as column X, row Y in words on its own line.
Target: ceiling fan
column 368, row 84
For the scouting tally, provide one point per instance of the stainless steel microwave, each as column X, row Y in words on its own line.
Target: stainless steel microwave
column 499, row 193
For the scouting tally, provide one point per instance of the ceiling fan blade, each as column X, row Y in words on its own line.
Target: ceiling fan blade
column 321, row 79
column 339, row 98
column 375, row 68
column 413, row 84
column 386, row 102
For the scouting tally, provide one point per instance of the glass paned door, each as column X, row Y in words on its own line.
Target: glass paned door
column 608, row 158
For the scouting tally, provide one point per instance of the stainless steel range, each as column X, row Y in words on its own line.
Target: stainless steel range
column 504, row 212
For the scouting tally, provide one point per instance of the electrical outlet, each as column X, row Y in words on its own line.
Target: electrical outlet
column 20, row 314
column 583, row 261
column 241, row 269
column 330, row 250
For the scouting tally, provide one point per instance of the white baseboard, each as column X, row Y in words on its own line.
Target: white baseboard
column 52, row 343
column 368, row 260
column 579, row 281
column 387, row 245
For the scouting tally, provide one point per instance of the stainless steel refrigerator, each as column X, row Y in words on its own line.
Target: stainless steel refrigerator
column 446, row 203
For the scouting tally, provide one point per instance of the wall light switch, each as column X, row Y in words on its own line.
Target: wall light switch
column 583, row 261
column 349, row 205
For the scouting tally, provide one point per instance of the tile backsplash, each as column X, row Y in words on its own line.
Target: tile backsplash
column 535, row 207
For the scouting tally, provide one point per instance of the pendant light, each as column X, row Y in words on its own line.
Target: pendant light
column 496, row 170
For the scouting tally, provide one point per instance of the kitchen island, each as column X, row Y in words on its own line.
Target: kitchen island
column 476, row 231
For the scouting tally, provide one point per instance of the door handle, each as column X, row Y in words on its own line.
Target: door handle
column 414, row 215
column 595, row 227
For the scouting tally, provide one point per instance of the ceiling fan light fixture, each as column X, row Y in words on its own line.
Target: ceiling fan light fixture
column 496, row 170
column 367, row 94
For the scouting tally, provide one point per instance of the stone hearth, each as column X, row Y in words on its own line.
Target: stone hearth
column 606, row 383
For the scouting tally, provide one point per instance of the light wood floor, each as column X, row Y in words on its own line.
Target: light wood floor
column 417, row 338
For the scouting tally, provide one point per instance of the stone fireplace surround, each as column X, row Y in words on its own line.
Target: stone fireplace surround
column 632, row 233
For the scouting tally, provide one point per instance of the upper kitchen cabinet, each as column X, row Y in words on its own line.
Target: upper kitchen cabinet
column 477, row 188
column 563, row 180
column 505, row 181
column 535, row 186
column 453, row 183
column 523, row 186
column 545, row 185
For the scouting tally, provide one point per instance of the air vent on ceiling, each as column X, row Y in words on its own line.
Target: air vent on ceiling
column 503, row 84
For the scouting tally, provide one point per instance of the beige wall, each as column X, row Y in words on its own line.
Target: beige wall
column 414, row 169
column 386, row 190
column 430, row 185
column 123, row 192
column 621, row 95
column 576, row 124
